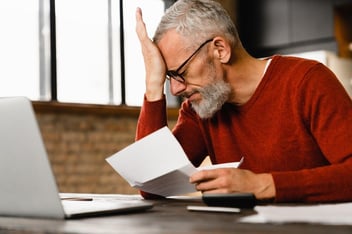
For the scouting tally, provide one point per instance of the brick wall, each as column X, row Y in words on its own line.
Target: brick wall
column 77, row 145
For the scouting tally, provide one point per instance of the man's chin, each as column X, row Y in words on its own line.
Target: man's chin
column 202, row 112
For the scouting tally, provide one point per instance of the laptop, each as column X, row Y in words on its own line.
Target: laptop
column 27, row 184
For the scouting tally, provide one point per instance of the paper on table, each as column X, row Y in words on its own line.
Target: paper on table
column 331, row 214
column 157, row 164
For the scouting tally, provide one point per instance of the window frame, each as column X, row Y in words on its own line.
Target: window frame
column 53, row 58
column 47, row 92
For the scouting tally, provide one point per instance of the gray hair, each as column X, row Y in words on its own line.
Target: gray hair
column 198, row 20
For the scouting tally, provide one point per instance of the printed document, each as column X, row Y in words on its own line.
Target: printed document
column 329, row 214
column 157, row 164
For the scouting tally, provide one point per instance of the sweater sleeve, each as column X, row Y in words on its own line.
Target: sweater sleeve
column 190, row 134
column 327, row 111
column 152, row 117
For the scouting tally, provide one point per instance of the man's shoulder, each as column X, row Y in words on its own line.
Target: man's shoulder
column 293, row 61
column 291, row 66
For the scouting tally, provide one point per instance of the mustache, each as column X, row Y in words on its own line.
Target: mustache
column 186, row 95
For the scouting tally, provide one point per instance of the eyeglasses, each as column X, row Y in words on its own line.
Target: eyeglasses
column 174, row 74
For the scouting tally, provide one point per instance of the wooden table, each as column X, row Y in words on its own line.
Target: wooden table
column 167, row 216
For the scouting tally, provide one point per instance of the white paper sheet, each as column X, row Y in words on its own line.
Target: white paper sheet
column 157, row 164
column 330, row 214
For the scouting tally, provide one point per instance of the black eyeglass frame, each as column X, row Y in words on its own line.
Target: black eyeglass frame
column 174, row 74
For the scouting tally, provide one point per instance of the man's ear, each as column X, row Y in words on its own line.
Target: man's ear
column 222, row 49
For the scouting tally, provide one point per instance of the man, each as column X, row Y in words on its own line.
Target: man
column 289, row 118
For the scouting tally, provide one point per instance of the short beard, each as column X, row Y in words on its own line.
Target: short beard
column 214, row 97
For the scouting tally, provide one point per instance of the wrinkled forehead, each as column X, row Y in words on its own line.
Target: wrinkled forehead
column 173, row 48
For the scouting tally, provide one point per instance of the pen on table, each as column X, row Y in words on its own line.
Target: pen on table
column 77, row 199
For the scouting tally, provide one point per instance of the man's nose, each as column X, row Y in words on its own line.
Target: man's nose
column 177, row 87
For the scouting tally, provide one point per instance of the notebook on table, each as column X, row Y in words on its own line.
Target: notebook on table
column 27, row 184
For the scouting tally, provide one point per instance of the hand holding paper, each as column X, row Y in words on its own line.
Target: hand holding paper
column 157, row 164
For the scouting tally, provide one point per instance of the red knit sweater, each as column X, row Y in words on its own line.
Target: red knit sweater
column 297, row 126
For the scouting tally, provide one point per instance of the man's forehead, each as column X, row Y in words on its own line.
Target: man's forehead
column 173, row 48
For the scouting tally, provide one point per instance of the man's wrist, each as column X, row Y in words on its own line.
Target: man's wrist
column 152, row 97
column 154, row 88
column 267, row 187
column 154, row 94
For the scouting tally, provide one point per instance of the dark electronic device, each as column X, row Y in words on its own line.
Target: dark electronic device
column 238, row 200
